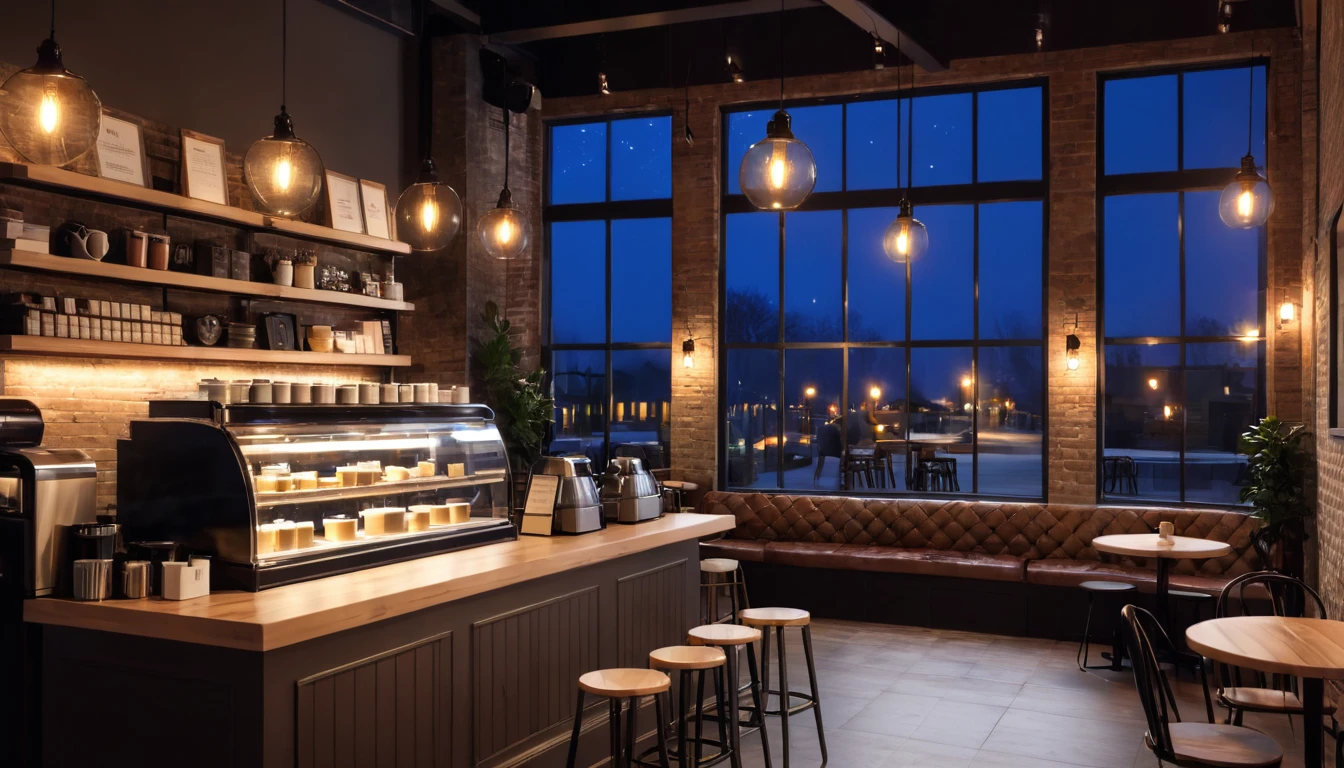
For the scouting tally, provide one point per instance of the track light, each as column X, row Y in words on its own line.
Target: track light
column 602, row 86
column 879, row 56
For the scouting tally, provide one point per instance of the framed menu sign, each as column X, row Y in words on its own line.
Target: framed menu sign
column 121, row 151
column 343, row 208
column 543, row 493
column 374, row 196
column 203, row 168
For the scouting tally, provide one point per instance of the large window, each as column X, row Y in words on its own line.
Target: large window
column 846, row 371
column 1183, row 294
column 608, row 215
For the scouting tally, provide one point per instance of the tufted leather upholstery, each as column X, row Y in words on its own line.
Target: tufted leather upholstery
column 1039, row 543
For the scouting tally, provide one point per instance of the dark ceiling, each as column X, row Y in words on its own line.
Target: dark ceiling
column 820, row 40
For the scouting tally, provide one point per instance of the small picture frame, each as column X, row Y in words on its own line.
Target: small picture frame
column 376, row 220
column 344, row 212
column 203, row 175
column 282, row 331
column 121, row 151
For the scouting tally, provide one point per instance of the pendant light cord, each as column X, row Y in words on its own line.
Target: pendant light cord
column 53, row 20
column 506, row 140
column 910, row 134
column 426, row 84
column 284, row 50
column 898, row 111
column 1250, row 99
column 781, row 54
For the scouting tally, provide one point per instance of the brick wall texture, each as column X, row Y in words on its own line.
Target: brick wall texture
column 1073, row 265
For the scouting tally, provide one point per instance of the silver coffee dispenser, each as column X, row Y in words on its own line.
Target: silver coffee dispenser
column 629, row 493
column 579, row 509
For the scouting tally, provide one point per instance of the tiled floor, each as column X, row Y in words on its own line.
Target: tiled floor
column 905, row 696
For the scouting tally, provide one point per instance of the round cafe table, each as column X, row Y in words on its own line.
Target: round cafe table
column 1152, row 546
column 1312, row 649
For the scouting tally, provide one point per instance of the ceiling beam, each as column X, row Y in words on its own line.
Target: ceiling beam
column 463, row 13
column 873, row 22
column 645, row 20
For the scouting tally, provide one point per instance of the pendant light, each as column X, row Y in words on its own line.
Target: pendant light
column 906, row 238
column 778, row 172
column 429, row 212
column 504, row 230
column 1247, row 202
column 283, row 172
column 49, row 114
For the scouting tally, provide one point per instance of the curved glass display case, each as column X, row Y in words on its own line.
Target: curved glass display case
column 285, row 493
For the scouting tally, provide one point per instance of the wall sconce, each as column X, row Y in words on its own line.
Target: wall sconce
column 1072, row 346
column 1152, row 383
column 1287, row 312
column 688, row 353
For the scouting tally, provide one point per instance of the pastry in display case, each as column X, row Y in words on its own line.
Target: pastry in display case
column 278, row 494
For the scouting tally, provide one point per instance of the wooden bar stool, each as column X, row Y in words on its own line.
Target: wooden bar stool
column 688, row 660
column 780, row 619
column 716, row 575
column 730, row 637
column 619, row 685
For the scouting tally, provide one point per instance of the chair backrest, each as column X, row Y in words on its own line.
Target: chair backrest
column 1281, row 595
column 1143, row 636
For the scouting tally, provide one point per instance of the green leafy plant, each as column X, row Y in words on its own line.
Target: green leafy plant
column 522, row 409
column 1276, row 470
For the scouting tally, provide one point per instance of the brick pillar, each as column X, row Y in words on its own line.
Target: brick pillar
column 1072, row 395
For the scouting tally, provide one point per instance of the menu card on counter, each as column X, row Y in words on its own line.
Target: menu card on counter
column 543, row 493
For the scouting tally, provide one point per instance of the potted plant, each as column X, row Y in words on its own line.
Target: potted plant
column 522, row 409
column 1276, row 467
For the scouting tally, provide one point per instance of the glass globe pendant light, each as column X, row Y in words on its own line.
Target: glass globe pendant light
column 906, row 238
column 778, row 172
column 429, row 212
column 49, row 114
column 1247, row 202
column 504, row 230
column 283, row 172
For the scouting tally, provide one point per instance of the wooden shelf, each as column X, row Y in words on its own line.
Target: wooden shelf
column 46, row 345
column 121, row 272
column 95, row 186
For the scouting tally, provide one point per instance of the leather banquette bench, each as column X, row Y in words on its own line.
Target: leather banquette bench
column 1007, row 561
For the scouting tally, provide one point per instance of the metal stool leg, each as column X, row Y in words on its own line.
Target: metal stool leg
column 713, row 599
column 719, row 701
column 614, row 725
column 741, row 577
column 1087, row 630
column 662, row 733
column 783, row 692
column 731, row 688
column 758, row 700
column 683, row 713
column 816, row 694
column 574, row 737
column 699, row 718
column 632, row 706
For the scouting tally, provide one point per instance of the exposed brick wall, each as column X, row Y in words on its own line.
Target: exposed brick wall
column 1072, row 77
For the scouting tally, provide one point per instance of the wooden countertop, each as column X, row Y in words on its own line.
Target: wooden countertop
column 261, row 621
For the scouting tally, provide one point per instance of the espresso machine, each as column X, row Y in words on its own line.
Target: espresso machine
column 43, row 492
column 578, row 508
column 629, row 493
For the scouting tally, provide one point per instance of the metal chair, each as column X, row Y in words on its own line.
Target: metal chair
column 1191, row 745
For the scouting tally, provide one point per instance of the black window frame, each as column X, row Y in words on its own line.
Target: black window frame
column 1178, row 182
column 606, row 211
column 974, row 193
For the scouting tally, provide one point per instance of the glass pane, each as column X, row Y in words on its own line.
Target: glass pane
column 942, row 139
column 942, row 390
column 579, row 163
column 1142, row 263
column 1220, row 384
column 1008, row 137
column 1011, row 420
column 641, row 280
column 1010, row 270
column 819, row 129
column 751, row 311
column 1215, row 117
column 943, row 287
column 744, row 129
column 641, row 393
column 812, row 300
column 870, row 145
column 579, row 386
column 753, row 418
column 578, row 282
column 811, row 436
column 876, row 413
column 1143, row 422
column 1222, row 272
column 641, row 158
column 1141, row 124
column 876, row 283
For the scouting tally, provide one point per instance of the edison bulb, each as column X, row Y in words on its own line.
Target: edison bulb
column 504, row 230
column 906, row 238
column 429, row 212
column 1073, row 361
column 1248, row 201
column 688, row 360
column 48, row 114
column 777, row 172
column 1286, row 312
column 283, row 172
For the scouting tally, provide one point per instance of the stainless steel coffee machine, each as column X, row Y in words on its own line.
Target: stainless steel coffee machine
column 578, row 508
column 629, row 493
column 43, row 491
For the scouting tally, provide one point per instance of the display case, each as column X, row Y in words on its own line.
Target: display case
column 283, row 493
